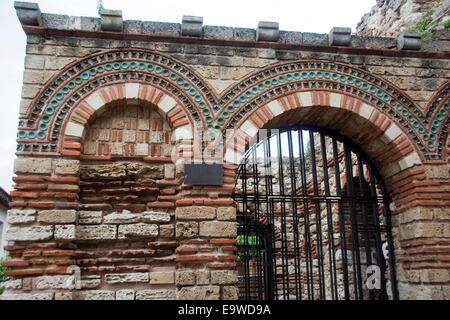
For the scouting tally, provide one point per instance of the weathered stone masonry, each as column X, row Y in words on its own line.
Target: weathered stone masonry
column 104, row 114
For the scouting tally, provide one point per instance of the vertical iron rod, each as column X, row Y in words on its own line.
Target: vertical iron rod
column 332, row 257
column 308, row 254
column 353, row 223
column 343, row 240
column 318, row 217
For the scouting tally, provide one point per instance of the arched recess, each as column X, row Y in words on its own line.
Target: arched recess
column 111, row 75
column 128, row 184
column 142, row 95
column 378, row 136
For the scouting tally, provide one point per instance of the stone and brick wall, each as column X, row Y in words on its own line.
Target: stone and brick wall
column 389, row 18
column 108, row 118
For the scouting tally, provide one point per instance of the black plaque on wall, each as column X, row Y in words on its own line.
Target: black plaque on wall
column 203, row 174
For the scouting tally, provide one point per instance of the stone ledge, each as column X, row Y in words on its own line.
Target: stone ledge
column 138, row 30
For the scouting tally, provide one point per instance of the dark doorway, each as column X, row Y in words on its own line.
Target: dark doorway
column 314, row 220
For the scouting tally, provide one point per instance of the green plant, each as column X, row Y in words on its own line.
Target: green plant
column 3, row 277
column 424, row 25
column 249, row 253
column 446, row 24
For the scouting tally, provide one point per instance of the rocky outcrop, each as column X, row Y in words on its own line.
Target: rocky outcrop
column 389, row 18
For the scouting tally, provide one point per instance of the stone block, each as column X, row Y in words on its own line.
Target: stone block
column 90, row 148
column 156, row 137
column 142, row 149
column 203, row 277
column 60, row 296
column 126, row 294
column 169, row 171
column 30, row 91
column 185, row 278
column 113, row 171
column 161, row 294
column 90, row 282
column 117, row 123
column 74, row 129
column 121, row 218
column 409, row 41
column 104, row 134
column 195, row 213
column 33, row 77
column 416, row 214
column 90, row 217
column 161, row 28
column 129, row 136
column 167, row 103
column 53, row 282
column 94, row 295
column 13, row 284
column 111, row 20
column 143, row 124
column 26, row 296
column 24, row 105
column 27, row 284
column 339, row 36
column 65, row 232
column 162, row 277
column 64, row 167
column 218, row 229
column 267, row 31
column 32, row 165
column 438, row 171
column 34, row 62
column 224, row 277
column 186, row 230
column 116, row 149
column 434, row 276
column 230, row 293
column 97, row 232
column 425, row 230
column 153, row 217
column 16, row 216
column 36, row 233
column 138, row 230
column 114, row 278
column 167, row 231
column 199, row 293
column 218, row 33
column 57, row 216
column 226, row 213
column 28, row 13
column 192, row 26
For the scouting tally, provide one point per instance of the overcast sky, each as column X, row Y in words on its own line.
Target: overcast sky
column 317, row 16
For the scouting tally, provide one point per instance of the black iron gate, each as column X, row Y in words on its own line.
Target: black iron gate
column 314, row 220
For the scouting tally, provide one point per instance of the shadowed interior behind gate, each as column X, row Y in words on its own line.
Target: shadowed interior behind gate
column 304, row 231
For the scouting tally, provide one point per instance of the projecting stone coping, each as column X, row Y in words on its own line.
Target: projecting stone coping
column 175, row 30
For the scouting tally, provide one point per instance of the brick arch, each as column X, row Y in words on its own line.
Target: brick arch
column 141, row 93
column 425, row 127
column 381, row 138
column 437, row 111
column 41, row 128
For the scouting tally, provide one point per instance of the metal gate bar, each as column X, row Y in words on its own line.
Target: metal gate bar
column 314, row 220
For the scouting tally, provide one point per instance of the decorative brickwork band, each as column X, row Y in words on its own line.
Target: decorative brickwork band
column 106, row 75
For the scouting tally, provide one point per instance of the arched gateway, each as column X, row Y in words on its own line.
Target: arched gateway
column 116, row 198
column 304, row 232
